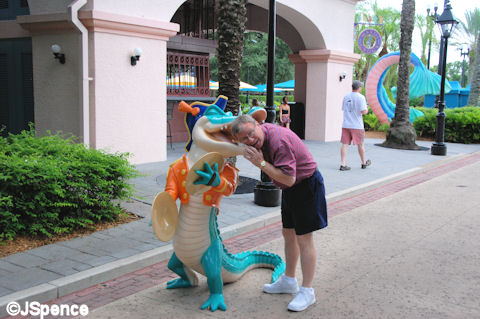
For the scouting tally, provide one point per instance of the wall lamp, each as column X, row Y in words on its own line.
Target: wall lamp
column 136, row 56
column 56, row 49
column 343, row 75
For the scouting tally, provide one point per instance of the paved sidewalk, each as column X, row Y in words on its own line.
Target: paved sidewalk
column 407, row 249
column 60, row 269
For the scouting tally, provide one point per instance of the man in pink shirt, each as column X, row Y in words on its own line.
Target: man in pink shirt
column 280, row 154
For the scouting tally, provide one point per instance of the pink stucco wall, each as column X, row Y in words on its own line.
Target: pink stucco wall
column 128, row 108
column 128, row 104
column 325, row 92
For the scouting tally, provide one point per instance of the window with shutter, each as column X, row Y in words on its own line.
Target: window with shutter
column 10, row 9
column 3, row 4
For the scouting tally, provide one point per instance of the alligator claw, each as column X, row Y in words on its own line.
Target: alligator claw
column 178, row 283
column 214, row 302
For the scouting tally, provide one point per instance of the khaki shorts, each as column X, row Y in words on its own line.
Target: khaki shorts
column 349, row 134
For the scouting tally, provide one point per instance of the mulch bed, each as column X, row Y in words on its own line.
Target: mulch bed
column 22, row 243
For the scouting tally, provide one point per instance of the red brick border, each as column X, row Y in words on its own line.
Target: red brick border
column 123, row 286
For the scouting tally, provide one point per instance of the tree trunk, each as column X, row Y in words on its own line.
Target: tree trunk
column 383, row 51
column 474, row 97
column 231, row 17
column 401, row 133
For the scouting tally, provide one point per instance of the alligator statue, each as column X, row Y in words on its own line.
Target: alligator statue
column 200, row 179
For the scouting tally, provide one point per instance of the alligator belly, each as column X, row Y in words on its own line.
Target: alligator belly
column 228, row 276
column 192, row 237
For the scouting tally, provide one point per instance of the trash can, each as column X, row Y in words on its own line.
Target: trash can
column 297, row 115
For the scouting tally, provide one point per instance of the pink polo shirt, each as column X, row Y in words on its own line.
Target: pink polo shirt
column 285, row 150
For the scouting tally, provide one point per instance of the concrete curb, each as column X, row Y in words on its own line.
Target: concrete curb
column 66, row 285
column 389, row 179
column 69, row 284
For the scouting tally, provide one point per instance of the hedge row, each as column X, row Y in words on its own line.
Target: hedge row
column 462, row 125
column 52, row 185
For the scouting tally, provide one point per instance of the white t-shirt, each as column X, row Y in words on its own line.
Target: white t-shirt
column 353, row 105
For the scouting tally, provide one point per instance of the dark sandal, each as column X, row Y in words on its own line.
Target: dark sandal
column 367, row 163
column 344, row 168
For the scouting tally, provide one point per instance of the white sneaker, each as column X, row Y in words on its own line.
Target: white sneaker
column 284, row 285
column 304, row 298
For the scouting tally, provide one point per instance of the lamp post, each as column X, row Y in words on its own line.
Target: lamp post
column 446, row 23
column 432, row 16
column 265, row 192
column 462, row 53
column 248, row 67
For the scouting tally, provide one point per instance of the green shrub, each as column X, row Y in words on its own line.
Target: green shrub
column 370, row 121
column 425, row 125
column 462, row 124
column 51, row 185
column 277, row 100
column 383, row 127
column 417, row 102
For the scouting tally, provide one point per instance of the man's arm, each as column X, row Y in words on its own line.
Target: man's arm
column 277, row 174
column 256, row 157
column 364, row 106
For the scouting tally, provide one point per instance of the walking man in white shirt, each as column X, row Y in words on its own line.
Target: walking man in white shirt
column 354, row 107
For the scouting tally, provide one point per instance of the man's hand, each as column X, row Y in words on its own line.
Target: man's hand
column 209, row 176
column 253, row 155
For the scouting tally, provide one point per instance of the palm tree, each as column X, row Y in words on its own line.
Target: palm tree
column 390, row 33
column 468, row 33
column 231, row 17
column 426, row 26
column 474, row 98
column 254, row 63
column 401, row 133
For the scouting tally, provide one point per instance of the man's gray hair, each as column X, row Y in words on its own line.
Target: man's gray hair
column 356, row 84
column 239, row 122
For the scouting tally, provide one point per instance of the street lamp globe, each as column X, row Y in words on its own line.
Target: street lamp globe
column 446, row 22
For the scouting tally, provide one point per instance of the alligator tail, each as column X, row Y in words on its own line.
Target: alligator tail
column 240, row 263
column 236, row 265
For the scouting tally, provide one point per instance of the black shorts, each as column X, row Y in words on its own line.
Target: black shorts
column 304, row 206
